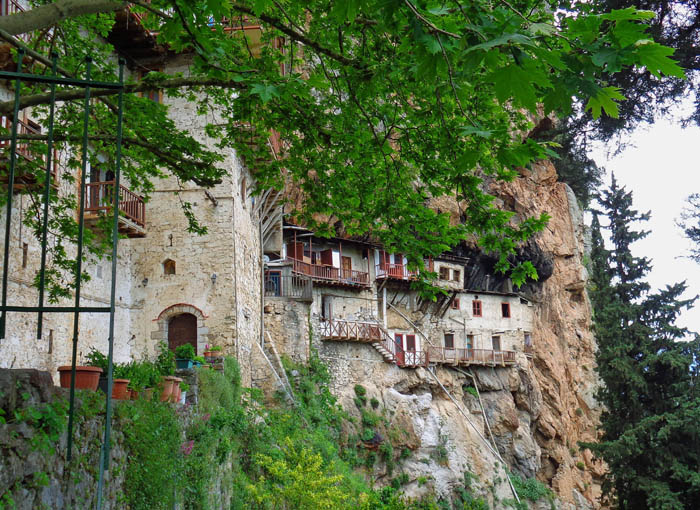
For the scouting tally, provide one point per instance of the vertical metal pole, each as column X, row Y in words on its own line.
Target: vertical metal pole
column 10, row 185
column 79, row 259
column 384, row 306
column 47, row 191
column 104, row 458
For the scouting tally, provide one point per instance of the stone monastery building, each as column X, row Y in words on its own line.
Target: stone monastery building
column 255, row 284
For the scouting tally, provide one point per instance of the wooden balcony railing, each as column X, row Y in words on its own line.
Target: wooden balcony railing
column 470, row 356
column 331, row 274
column 351, row 330
column 30, row 165
column 99, row 198
column 408, row 359
column 395, row 271
column 288, row 286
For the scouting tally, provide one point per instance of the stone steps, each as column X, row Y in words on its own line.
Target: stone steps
column 388, row 356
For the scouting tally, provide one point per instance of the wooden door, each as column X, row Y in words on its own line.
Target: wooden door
column 182, row 329
column 411, row 356
column 295, row 250
column 346, row 263
column 398, row 349
column 384, row 259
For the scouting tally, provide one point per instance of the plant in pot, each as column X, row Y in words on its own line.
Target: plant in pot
column 87, row 377
column 184, row 354
column 198, row 361
column 212, row 351
column 165, row 362
column 183, row 389
column 120, row 382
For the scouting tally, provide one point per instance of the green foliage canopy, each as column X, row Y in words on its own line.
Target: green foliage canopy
column 385, row 105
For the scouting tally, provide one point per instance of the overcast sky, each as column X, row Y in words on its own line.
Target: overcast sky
column 662, row 169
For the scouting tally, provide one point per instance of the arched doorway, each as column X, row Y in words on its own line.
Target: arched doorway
column 182, row 329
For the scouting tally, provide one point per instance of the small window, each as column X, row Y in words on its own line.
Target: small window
column 476, row 308
column 470, row 342
column 449, row 341
column 169, row 267
column 505, row 310
column 455, row 304
column 456, row 274
column 496, row 343
column 25, row 254
column 528, row 340
column 444, row 273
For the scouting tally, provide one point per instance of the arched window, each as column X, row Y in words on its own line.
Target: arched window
column 169, row 266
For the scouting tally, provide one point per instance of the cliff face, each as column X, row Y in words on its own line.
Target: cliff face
column 562, row 367
column 537, row 411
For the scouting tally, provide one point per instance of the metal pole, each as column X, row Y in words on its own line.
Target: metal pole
column 47, row 192
column 79, row 260
column 10, row 185
column 104, row 458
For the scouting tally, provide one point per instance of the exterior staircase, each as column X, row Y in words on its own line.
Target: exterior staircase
column 366, row 332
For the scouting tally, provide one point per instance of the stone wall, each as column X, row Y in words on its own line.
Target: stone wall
column 34, row 471
column 217, row 275
column 36, row 478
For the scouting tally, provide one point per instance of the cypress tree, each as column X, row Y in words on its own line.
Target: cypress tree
column 651, row 423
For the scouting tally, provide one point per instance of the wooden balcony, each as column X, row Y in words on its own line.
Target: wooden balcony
column 29, row 169
column 288, row 286
column 330, row 275
column 351, row 330
column 132, row 209
column 373, row 333
column 459, row 357
column 394, row 272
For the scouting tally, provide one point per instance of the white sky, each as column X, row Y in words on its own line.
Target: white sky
column 662, row 169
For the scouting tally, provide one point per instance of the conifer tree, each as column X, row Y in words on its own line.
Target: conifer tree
column 651, row 423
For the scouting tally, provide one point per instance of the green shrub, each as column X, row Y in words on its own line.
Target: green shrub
column 95, row 358
column 185, row 351
column 472, row 391
column 152, row 436
column 165, row 360
column 374, row 403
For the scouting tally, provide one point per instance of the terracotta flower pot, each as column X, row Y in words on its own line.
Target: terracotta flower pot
column 175, row 395
column 119, row 389
column 166, row 388
column 209, row 354
column 148, row 393
column 86, row 378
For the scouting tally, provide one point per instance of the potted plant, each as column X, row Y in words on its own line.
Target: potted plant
column 86, row 377
column 212, row 351
column 175, row 395
column 96, row 359
column 198, row 361
column 120, row 383
column 184, row 355
column 165, row 363
column 183, row 389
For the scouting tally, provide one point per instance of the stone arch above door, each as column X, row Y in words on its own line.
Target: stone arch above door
column 164, row 318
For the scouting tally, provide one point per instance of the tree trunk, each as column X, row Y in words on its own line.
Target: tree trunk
column 48, row 15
